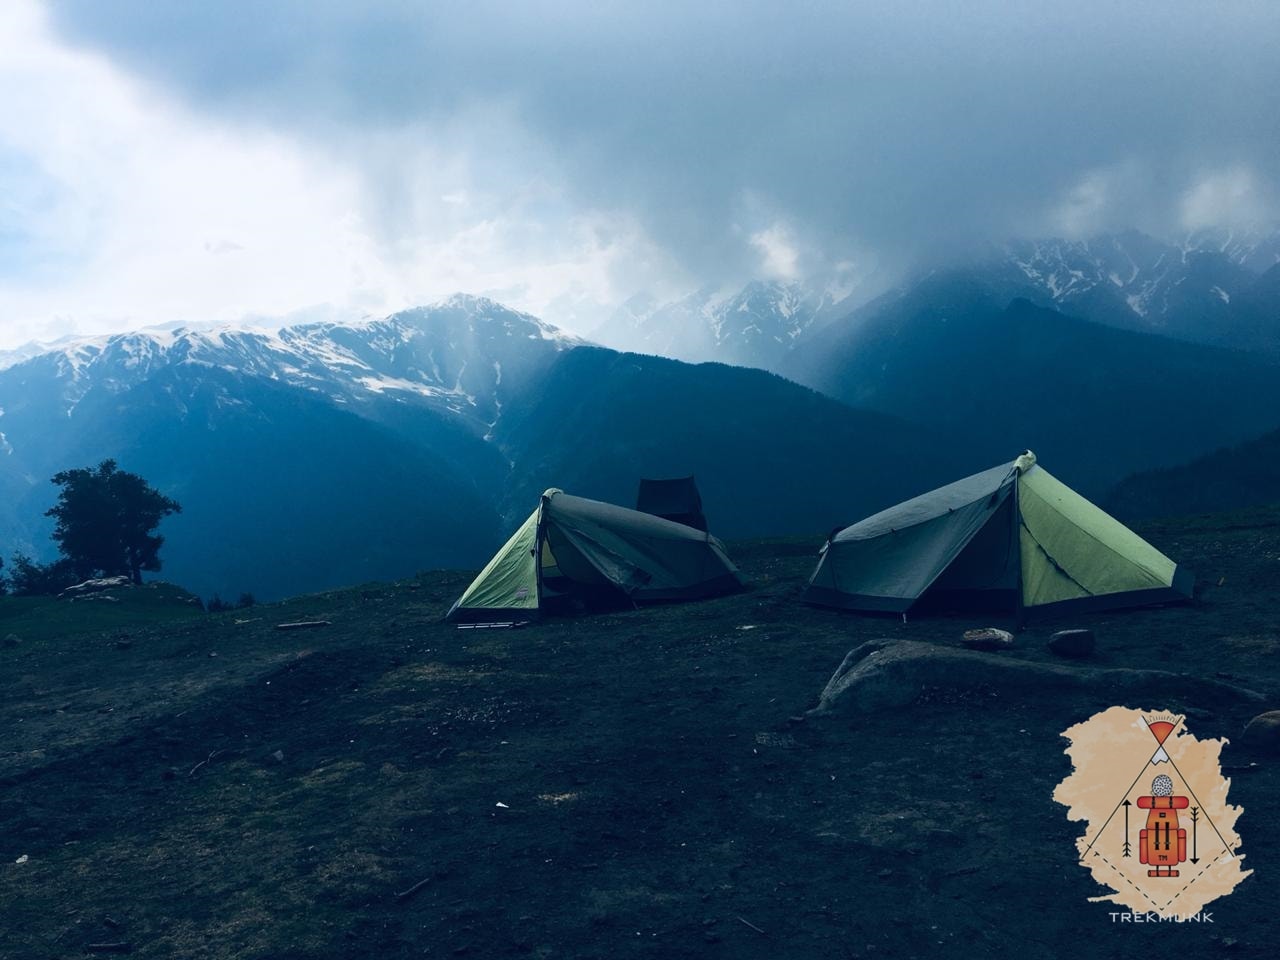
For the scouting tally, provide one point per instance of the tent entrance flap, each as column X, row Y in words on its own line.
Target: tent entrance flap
column 509, row 582
column 984, row 575
column 879, row 566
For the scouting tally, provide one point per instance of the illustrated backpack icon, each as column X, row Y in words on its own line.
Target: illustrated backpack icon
column 1163, row 844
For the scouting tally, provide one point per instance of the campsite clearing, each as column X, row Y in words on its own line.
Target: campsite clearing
column 619, row 785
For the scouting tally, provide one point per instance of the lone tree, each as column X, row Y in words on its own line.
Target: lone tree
column 105, row 518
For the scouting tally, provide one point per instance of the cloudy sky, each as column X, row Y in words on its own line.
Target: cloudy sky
column 209, row 161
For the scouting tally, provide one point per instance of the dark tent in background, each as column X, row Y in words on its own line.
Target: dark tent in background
column 1011, row 538
column 573, row 552
column 676, row 500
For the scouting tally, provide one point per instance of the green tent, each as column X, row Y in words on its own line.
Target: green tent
column 573, row 551
column 1012, row 537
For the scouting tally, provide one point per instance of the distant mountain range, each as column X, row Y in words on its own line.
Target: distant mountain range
column 1234, row 478
column 304, row 458
column 1092, row 400
column 749, row 327
column 1217, row 287
column 331, row 454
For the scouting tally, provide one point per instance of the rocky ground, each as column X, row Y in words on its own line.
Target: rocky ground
column 631, row 784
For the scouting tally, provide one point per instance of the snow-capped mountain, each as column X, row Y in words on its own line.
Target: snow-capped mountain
column 1205, row 288
column 334, row 453
column 295, row 421
column 1212, row 286
column 1257, row 248
column 453, row 354
column 750, row 326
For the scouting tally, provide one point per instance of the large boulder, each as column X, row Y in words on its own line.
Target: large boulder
column 96, row 586
column 987, row 638
column 894, row 673
column 1073, row 644
column 1263, row 732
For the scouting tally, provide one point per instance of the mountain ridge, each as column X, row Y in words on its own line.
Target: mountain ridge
column 340, row 452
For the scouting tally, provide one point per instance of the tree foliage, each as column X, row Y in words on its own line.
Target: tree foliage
column 106, row 518
column 30, row 579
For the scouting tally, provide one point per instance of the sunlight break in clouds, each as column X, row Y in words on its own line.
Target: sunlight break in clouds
column 122, row 208
column 1231, row 197
column 779, row 257
column 125, row 210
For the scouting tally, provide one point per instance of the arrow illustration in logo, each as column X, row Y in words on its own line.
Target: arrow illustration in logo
column 1195, row 819
column 1127, row 805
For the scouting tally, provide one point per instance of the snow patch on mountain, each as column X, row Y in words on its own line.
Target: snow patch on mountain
column 750, row 326
column 450, row 353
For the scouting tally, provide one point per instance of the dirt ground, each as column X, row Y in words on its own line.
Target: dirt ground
column 617, row 785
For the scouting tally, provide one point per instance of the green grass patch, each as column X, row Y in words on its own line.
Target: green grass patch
column 43, row 618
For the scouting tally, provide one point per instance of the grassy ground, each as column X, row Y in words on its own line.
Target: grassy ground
column 41, row 619
column 609, row 786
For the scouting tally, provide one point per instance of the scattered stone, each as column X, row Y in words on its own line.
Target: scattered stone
column 278, row 756
column 987, row 638
column 1073, row 644
column 96, row 586
column 12, row 640
column 1263, row 732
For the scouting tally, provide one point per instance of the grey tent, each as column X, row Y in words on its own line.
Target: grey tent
column 1012, row 537
column 573, row 551
column 676, row 499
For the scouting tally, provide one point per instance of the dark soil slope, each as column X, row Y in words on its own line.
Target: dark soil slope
column 624, row 785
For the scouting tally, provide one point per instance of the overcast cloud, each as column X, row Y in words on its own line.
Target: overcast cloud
column 163, row 162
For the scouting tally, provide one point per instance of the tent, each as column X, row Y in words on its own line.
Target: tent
column 1011, row 538
column 676, row 499
column 573, row 552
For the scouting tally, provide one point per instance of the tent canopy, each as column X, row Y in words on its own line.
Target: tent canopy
column 676, row 499
column 1012, row 537
column 573, row 550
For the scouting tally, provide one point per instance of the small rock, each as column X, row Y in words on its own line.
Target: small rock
column 12, row 640
column 22, row 859
column 278, row 756
column 987, row 638
column 885, row 874
column 1263, row 732
column 1073, row 644
column 123, row 644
